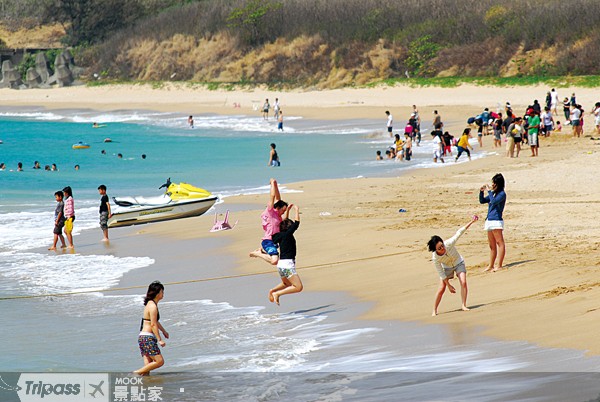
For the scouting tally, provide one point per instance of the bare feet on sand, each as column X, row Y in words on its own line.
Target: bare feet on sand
column 434, row 314
column 52, row 248
column 271, row 298
column 465, row 308
column 488, row 269
column 276, row 298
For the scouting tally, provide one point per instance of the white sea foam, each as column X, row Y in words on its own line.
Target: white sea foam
column 34, row 229
column 41, row 274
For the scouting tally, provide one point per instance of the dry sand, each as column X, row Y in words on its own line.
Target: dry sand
column 548, row 294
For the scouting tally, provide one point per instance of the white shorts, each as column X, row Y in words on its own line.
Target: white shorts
column 493, row 225
column 286, row 268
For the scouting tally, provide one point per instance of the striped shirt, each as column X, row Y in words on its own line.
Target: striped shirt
column 69, row 208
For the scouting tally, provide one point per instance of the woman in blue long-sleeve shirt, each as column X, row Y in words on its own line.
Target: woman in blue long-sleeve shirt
column 494, row 224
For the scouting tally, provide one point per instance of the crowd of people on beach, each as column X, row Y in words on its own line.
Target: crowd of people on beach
column 505, row 127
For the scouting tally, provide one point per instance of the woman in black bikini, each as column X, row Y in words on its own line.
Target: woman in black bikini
column 150, row 329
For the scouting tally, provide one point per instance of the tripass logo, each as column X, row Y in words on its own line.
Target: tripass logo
column 59, row 387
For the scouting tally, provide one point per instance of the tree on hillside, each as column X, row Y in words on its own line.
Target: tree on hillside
column 91, row 21
column 251, row 19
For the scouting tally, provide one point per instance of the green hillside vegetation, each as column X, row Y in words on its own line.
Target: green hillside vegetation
column 335, row 43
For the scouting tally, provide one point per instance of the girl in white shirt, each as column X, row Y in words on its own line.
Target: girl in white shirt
column 448, row 260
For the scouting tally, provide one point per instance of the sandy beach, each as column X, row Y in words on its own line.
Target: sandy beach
column 547, row 294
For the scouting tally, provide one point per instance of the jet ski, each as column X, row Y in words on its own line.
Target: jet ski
column 180, row 200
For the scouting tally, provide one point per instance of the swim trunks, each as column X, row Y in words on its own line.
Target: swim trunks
column 148, row 345
column 58, row 228
column 269, row 247
column 104, row 220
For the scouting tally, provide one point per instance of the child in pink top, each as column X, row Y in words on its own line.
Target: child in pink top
column 271, row 218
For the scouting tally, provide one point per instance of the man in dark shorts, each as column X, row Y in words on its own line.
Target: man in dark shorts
column 104, row 211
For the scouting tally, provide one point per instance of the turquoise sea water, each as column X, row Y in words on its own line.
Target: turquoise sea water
column 226, row 155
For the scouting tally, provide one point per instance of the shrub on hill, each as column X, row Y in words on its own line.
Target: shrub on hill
column 247, row 40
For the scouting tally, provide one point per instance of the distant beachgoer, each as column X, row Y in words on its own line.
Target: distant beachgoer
column 547, row 122
column 390, row 122
column 448, row 143
column 573, row 100
column 497, row 126
column 407, row 147
column 548, row 99
column 392, row 152
column 103, row 152
column 105, row 212
column 47, row 168
column 417, row 118
column 494, row 224
column 280, row 121
column 36, row 165
column 290, row 281
column 553, row 101
column 596, row 113
column 59, row 221
column 265, row 109
column 514, row 131
column 276, row 109
column 19, row 167
column 54, row 167
column 438, row 145
column 273, row 157
column 567, row 110
column 276, row 211
column 191, row 121
column 143, row 156
column 378, row 156
column 69, row 211
column 558, row 127
column 463, row 144
column 399, row 144
column 517, row 131
column 150, row 329
column 575, row 120
column 76, row 167
column 120, row 156
column 95, row 125
column 533, row 132
column 409, row 129
column 485, row 118
column 447, row 260
column 2, row 166
column 437, row 120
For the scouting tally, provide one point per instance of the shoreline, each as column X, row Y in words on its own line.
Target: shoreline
column 321, row 104
column 519, row 303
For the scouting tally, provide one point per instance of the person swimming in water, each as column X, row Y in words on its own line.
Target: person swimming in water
column 273, row 157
